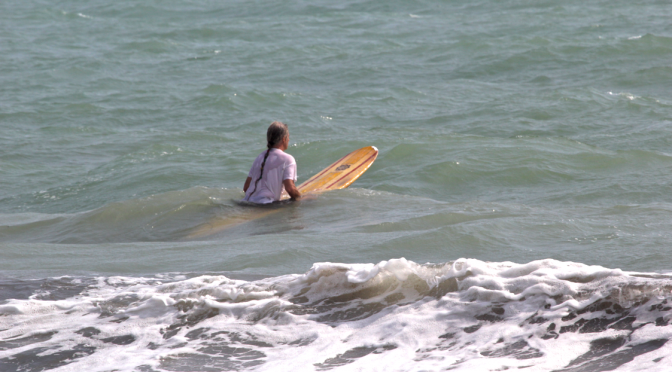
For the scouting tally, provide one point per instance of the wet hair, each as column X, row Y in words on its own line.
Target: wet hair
column 276, row 132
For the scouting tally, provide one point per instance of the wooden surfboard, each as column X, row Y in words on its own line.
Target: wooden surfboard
column 338, row 175
column 342, row 173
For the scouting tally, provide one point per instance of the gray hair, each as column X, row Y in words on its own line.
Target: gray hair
column 277, row 131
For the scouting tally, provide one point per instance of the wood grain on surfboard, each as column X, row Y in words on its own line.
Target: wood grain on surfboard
column 338, row 175
column 341, row 173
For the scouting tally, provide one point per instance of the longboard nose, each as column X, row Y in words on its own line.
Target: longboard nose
column 343, row 172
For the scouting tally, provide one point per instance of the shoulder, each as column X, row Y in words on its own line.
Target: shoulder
column 260, row 158
column 287, row 158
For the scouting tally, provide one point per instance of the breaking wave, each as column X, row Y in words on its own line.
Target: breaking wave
column 395, row 315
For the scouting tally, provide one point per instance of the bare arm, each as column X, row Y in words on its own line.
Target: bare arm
column 247, row 184
column 291, row 189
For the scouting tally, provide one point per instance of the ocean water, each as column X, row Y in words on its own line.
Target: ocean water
column 518, row 216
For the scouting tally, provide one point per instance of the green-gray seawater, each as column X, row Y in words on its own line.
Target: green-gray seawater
column 509, row 131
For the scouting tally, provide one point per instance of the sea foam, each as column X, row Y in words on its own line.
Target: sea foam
column 394, row 315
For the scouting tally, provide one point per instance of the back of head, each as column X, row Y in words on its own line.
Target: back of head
column 276, row 132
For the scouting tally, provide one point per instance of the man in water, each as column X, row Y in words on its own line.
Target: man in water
column 273, row 170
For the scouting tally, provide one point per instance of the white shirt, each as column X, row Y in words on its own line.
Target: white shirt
column 279, row 166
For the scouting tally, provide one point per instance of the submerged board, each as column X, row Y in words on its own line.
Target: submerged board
column 338, row 175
